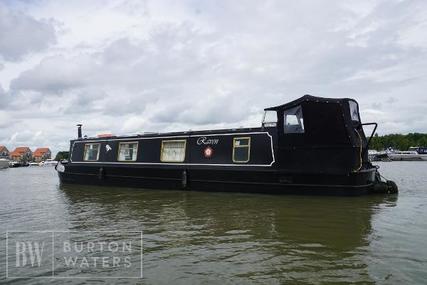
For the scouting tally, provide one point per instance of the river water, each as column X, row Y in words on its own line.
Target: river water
column 220, row 238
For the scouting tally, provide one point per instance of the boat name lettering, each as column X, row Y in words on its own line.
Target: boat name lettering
column 206, row 141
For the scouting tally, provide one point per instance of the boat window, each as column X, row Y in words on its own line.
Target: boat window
column 173, row 151
column 128, row 151
column 293, row 121
column 241, row 149
column 269, row 119
column 354, row 110
column 91, row 152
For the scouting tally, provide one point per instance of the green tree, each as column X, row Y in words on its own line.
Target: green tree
column 398, row 141
column 62, row 155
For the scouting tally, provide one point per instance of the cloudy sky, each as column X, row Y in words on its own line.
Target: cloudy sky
column 134, row 66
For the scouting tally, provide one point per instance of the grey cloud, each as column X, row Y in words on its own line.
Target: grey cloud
column 21, row 34
column 54, row 74
column 218, row 67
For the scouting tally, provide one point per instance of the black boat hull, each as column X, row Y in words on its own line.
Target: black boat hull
column 221, row 180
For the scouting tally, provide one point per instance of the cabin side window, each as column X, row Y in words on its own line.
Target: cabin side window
column 91, row 152
column 173, row 151
column 241, row 149
column 354, row 111
column 128, row 151
column 293, row 121
column 269, row 119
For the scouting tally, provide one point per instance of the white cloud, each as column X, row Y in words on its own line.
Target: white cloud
column 21, row 34
column 135, row 66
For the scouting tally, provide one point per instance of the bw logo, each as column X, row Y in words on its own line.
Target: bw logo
column 29, row 253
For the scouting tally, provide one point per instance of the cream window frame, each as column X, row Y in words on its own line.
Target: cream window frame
column 136, row 153
column 163, row 147
column 85, row 150
column 242, row 146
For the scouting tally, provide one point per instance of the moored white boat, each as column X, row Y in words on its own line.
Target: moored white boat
column 372, row 153
column 404, row 155
column 422, row 151
column 48, row 162
column 4, row 163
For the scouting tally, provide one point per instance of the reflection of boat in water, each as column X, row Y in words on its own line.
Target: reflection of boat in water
column 286, row 232
column 342, row 221
column 315, row 146
column 4, row 163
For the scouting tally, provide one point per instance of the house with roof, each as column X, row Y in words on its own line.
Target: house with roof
column 4, row 152
column 41, row 154
column 22, row 153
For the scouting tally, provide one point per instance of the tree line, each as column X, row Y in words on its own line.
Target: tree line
column 62, row 155
column 398, row 141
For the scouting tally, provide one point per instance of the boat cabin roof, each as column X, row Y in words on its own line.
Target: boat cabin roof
column 308, row 98
column 183, row 133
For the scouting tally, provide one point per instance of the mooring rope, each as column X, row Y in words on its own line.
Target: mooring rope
column 360, row 152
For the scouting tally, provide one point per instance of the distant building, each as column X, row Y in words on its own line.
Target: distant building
column 41, row 154
column 4, row 152
column 22, row 153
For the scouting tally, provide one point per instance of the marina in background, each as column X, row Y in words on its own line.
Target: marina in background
column 413, row 154
column 23, row 157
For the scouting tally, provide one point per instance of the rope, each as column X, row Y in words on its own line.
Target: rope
column 360, row 152
column 383, row 177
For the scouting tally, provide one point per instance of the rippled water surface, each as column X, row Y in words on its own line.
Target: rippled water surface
column 220, row 238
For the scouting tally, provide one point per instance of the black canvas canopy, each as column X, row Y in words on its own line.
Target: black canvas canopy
column 308, row 98
column 325, row 134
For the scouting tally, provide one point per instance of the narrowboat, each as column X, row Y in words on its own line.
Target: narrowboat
column 312, row 145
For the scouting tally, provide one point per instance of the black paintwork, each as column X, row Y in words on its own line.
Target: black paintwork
column 149, row 146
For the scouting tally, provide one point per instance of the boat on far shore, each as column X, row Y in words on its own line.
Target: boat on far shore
column 422, row 151
column 4, row 163
column 375, row 155
column 13, row 164
column 48, row 162
column 412, row 154
column 408, row 155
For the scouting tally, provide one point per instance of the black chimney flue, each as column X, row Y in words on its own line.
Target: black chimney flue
column 79, row 131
